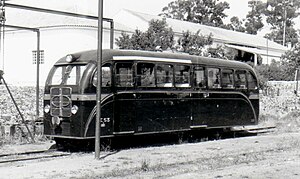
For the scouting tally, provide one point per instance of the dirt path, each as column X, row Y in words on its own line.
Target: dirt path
column 270, row 156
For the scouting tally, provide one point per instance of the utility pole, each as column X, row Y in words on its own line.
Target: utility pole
column 284, row 24
column 2, row 23
column 99, row 80
column 286, row 7
column 38, row 75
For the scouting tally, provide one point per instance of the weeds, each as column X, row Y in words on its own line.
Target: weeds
column 289, row 123
column 145, row 165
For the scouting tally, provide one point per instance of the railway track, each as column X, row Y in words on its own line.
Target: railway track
column 53, row 153
column 32, row 155
column 254, row 129
column 189, row 137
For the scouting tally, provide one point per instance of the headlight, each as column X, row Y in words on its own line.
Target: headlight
column 74, row 109
column 69, row 58
column 47, row 108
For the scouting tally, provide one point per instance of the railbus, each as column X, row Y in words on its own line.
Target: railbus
column 146, row 93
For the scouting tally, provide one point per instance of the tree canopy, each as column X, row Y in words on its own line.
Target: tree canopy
column 160, row 35
column 235, row 24
column 254, row 17
column 193, row 44
column 280, row 15
column 206, row 12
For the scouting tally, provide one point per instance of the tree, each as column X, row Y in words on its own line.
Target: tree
column 124, row 41
column 220, row 52
column 277, row 36
column 254, row 17
column 158, row 34
column 138, row 40
column 193, row 44
column 280, row 15
column 235, row 24
column 283, row 70
column 291, row 59
column 206, row 12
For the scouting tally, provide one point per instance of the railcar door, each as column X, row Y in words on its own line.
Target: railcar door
column 161, row 105
column 125, row 97
column 199, row 108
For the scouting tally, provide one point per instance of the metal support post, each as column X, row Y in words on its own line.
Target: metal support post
column 99, row 80
column 38, row 75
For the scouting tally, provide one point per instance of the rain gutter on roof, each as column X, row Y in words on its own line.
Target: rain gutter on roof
column 225, row 42
column 256, row 51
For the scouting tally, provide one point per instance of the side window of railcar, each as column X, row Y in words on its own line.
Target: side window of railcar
column 213, row 77
column 145, row 75
column 106, row 76
column 227, row 78
column 182, row 76
column 199, row 77
column 252, row 81
column 124, row 75
column 240, row 79
column 164, row 75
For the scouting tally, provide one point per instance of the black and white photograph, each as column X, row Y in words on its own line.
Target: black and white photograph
column 179, row 89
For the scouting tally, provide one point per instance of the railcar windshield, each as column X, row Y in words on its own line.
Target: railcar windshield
column 66, row 75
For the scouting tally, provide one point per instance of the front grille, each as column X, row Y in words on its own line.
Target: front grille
column 61, row 103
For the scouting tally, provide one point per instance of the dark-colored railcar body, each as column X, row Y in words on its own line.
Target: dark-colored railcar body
column 148, row 93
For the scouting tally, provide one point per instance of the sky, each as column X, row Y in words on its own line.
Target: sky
column 111, row 7
column 237, row 7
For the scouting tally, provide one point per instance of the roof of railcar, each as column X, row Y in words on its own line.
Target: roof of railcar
column 108, row 54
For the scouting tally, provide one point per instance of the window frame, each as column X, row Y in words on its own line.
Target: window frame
column 131, row 83
column 138, row 77
column 95, row 75
column 242, row 86
column 164, row 84
column 214, row 85
column 183, row 84
column 228, row 86
column 249, row 73
column 194, row 77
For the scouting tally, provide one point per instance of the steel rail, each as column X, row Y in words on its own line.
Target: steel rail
column 26, row 154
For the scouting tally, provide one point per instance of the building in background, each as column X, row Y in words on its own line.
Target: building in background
column 247, row 46
column 62, row 35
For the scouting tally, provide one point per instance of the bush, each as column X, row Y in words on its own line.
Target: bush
column 276, row 71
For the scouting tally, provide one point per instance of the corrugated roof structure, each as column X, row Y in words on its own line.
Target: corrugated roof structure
column 232, row 39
